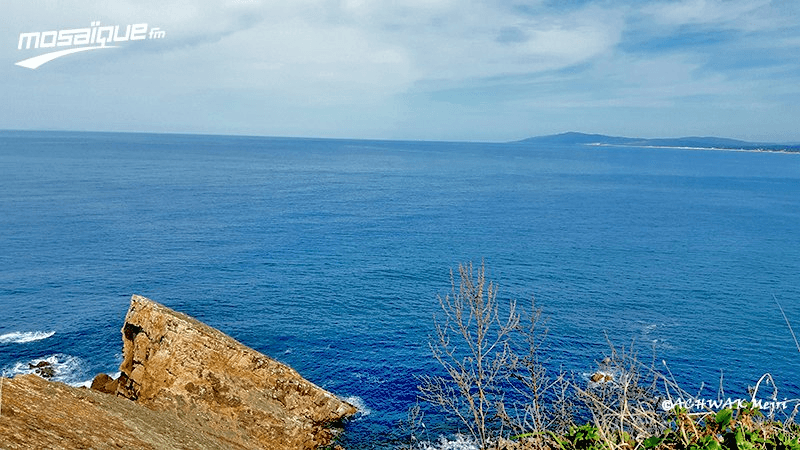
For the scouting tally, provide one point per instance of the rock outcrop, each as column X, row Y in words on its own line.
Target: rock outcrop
column 601, row 377
column 178, row 373
column 175, row 363
column 36, row 413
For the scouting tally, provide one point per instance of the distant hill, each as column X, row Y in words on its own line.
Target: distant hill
column 573, row 138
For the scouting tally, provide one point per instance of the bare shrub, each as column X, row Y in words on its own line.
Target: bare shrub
column 472, row 344
column 623, row 398
column 496, row 380
column 540, row 402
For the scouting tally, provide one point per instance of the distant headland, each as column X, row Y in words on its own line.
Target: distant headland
column 692, row 143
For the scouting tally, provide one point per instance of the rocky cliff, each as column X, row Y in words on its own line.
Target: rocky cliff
column 183, row 384
column 41, row 414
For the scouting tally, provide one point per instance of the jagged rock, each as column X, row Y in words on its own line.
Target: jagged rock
column 192, row 387
column 104, row 383
column 601, row 377
column 46, row 372
column 44, row 369
column 36, row 413
column 172, row 362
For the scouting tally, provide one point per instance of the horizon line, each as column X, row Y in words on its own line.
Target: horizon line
column 465, row 141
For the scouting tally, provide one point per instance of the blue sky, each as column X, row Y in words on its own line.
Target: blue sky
column 436, row 69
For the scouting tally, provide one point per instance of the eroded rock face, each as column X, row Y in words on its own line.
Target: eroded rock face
column 175, row 363
column 184, row 385
column 36, row 413
column 104, row 383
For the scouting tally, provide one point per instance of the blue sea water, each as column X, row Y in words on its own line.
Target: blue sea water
column 329, row 254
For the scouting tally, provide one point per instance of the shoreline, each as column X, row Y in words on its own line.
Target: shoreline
column 717, row 149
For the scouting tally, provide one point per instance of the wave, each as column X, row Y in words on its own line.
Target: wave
column 367, row 378
column 358, row 402
column 22, row 337
column 460, row 442
column 67, row 369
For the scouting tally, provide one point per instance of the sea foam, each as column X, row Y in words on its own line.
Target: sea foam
column 22, row 337
column 66, row 368
column 358, row 402
column 459, row 442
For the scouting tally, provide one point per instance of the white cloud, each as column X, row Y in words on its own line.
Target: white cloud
column 350, row 46
column 244, row 63
column 462, row 40
column 359, row 49
column 733, row 13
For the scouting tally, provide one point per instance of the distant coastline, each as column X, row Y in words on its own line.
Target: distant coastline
column 684, row 143
column 569, row 138
column 719, row 149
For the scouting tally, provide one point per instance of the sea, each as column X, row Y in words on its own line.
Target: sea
column 330, row 255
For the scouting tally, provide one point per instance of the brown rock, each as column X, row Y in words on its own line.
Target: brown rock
column 104, row 383
column 193, row 387
column 99, row 382
column 601, row 377
column 36, row 413
column 44, row 369
column 174, row 363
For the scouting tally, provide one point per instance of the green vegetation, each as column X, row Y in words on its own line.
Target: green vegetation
column 742, row 428
column 495, row 384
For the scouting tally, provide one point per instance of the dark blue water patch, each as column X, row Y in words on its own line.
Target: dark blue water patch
column 329, row 255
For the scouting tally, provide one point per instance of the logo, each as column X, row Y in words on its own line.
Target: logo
column 81, row 40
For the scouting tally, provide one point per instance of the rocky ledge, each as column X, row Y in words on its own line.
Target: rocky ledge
column 183, row 385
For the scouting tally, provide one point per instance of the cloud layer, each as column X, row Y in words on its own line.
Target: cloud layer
column 429, row 69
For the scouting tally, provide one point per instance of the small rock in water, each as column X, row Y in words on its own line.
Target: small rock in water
column 600, row 377
column 39, row 365
column 44, row 369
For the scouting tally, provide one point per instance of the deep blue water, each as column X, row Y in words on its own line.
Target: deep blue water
column 329, row 254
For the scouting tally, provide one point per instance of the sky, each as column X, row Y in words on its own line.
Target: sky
column 493, row 70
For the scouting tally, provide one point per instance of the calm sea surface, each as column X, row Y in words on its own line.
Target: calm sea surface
column 329, row 254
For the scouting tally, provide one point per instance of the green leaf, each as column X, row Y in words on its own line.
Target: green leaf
column 652, row 442
column 520, row 436
column 724, row 417
column 739, row 437
column 709, row 443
